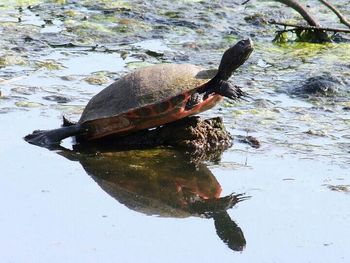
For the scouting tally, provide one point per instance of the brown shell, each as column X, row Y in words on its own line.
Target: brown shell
column 146, row 98
column 146, row 86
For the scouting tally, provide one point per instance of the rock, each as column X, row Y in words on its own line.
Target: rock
column 324, row 85
column 193, row 134
column 340, row 38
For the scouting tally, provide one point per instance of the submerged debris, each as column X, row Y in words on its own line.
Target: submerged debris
column 252, row 141
column 57, row 98
column 319, row 133
column 339, row 188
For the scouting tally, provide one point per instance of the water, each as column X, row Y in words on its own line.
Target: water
column 134, row 206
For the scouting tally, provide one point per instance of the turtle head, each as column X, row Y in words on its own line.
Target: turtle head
column 234, row 57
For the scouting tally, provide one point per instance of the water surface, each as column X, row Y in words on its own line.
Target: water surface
column 136, row 206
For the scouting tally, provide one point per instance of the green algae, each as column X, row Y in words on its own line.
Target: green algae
column 98, row 78
column 48, row 64
column 28, row 104
column 12, row 59
column 138, row 64
column 107, row 4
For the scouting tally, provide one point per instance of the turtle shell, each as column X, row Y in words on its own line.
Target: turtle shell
column 146, row 98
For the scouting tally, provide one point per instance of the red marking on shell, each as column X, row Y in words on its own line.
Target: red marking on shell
column 148, row 116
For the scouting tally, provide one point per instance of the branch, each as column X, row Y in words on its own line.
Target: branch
column 302, row 10
column 310, row 27
column 245, row 2
column 337, row 12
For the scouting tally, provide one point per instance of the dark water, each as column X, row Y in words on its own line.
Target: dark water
column 143, row 205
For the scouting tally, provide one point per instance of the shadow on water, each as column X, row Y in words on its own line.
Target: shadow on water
column 162, row 182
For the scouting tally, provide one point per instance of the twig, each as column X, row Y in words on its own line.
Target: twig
column 337, row 12
column 310, row 27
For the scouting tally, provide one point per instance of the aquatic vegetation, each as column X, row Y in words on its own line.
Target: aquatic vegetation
column 48, row 64
column 11, row 60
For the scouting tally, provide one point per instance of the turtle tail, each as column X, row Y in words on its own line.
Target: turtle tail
column 51, row 138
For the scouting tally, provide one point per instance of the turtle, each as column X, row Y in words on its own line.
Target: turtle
column 150, row 97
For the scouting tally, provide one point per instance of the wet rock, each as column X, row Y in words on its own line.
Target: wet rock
column 177, row 57
column 338, row 38
column 192, row 133
column 200, row 134
column 19, row 49
column 68, row 78
column 25, row 90
column 154, row 53
column 252, row 141
column 256, row 19
column 319, row 133
column 323, row 85
column 57, row 98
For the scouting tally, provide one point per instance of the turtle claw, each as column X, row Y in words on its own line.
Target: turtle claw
column 244, row 96
column 231, row 91
column 232, row 199
column 208, row 207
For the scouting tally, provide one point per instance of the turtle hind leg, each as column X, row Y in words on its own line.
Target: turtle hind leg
column 50, row 138
column 195, row 99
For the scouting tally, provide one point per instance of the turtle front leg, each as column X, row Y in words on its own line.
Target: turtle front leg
column 226, row 89
column 230, row 91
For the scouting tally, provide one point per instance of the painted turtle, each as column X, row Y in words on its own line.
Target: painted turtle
column 152, row 96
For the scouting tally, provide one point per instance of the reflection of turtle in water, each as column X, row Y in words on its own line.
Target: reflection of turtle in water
column 152, row 96
column 150, row 182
